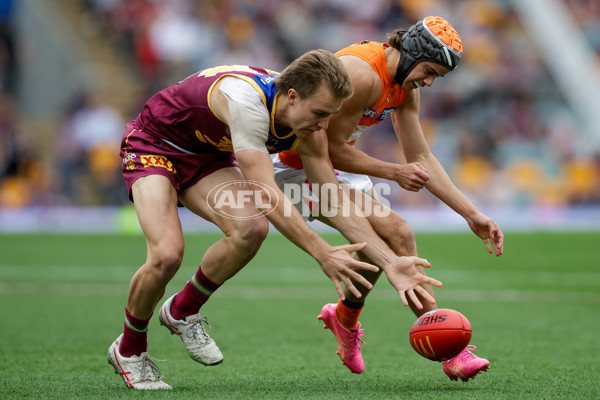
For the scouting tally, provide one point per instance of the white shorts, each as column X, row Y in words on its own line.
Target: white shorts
column 295, row 185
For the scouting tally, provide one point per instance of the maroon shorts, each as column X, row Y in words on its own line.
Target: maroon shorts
column 145, row 155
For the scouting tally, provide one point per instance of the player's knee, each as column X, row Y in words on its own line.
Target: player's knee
column 166, row 262
column 250, row 234
column 401, row 237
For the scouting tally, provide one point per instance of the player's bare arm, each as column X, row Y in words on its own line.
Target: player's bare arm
column 334, row 261
column 402, row 272
column 408, row 129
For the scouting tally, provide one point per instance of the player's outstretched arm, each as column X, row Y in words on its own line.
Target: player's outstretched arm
column 402, row 271
column 482, row 225
column 408, row 129
column 336, row 262
column 444, row 189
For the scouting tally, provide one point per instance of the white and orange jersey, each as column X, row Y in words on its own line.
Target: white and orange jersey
column 391, row 97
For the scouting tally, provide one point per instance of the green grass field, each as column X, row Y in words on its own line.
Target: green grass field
column 534, row 311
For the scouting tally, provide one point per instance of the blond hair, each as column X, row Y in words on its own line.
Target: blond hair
column 309, row 71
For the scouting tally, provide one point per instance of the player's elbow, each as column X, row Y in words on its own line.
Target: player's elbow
column 336, row 156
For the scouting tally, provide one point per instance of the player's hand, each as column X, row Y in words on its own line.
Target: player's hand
column 488, row 230
column 340, row 267
column 412, row 176
column 405, row 277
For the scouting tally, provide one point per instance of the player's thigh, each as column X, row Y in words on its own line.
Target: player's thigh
column 155, row 201
column 225, row 199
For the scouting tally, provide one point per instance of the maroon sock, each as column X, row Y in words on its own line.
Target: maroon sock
column 135, row 336
column 193, row 296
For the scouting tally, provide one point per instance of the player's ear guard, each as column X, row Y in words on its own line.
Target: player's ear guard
column 431, row 39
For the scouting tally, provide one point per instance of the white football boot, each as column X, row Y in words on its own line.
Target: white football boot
column 201, row 347
column 138, row 372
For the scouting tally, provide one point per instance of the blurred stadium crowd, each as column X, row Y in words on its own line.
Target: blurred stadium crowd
column 499, row 124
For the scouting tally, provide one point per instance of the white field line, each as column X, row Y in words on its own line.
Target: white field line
column 274, row 293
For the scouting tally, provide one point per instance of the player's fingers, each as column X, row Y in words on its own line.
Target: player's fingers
column 410, row 187
column 495, row 238
column 403, row 297
column 353, row 289
column 499, row 241
column 419, row 185
column 356, row 264
column 418, row 181
column 423, row 177
column 425, row 294
column 338, row 288
column 419, row 165
column 488, row 245
column 421, row 169
column 422, row 262
column 351, row 248
column 422, row 173
column 358, row 278
column 431, row 281
column 499, row 249
column 415, row 299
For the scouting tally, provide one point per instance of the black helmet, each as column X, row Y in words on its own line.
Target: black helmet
column 431, row 39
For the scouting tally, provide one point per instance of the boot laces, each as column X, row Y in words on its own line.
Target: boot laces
column 466, row 354
column 197, row 330
column 355, row 339
column 148, row 370
column 357, row 334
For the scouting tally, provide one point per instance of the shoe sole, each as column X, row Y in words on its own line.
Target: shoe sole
column 466, row 379
column 129, row 385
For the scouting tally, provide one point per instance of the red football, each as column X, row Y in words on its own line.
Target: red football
column 440, row 334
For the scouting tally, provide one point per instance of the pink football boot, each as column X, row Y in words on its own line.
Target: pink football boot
column 466, row 365
column 348, row 340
